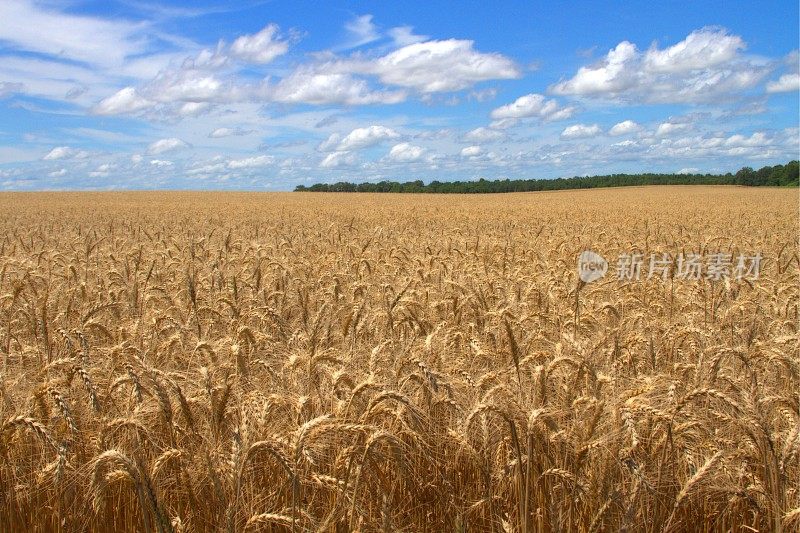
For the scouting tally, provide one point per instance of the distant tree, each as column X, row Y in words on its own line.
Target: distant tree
column 778, row 175
column 745, row 176
column 791, row 174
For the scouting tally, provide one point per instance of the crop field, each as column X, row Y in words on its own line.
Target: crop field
column 364, row 362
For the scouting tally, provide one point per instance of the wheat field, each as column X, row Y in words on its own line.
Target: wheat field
column 303, row 362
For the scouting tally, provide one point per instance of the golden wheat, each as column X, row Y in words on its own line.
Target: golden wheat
column 301, row 362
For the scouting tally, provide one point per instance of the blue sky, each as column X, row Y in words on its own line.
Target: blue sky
column 269, row 95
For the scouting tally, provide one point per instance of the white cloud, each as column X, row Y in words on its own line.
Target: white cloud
column 208, row 59
column 124, row 101
column 581, row 131
column 624, row 128
column 626, row 144
column 482, row 135
column 338, row 159
column 362, row 31
column 308, row 86
column 37, row 27
column 160, row 163
column 689, row 170
column 102, row 171
column 471, row 151
column 193, row 109
column 784, row 84
column 162, row 146
column 261, row 47
column 59, row 152
column 229, row 132
column 209, row 77
column 330, row 144
column 404, row 35
column 702, row 49
column 58, row 173
column 437, row 66
column 757, row 145
column 706, row 66
column 405, row 153
column 670, row 128
column 359, row 138
column 612, row 76
column 533, row 105
column 251, row 162
column 192, row 85
column 65, row 152
column 758, row 138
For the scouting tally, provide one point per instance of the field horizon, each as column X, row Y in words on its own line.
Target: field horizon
column 308, row 192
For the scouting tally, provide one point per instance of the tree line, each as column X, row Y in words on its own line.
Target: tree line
column 776, row 176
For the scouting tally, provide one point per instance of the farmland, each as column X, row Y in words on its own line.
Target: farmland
column 242, row 361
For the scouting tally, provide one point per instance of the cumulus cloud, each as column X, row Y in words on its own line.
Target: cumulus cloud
column 308, row 85
column 338, row 159
column 124, row 101
column 758, row 138
column 213, row 77
column 261, row 47
column 701, row 49
column 358, row 138
column 196, row 81
column 405, row 153
column 182, row 88
column 64, row 152
column 757, row 145
column 471, row 151
column 703, row 67
column 624, row 128
column 784, row 84
column 611, row 76
column 163, row 146
column 439, row 66
column 102, row 171
column 533, row 105
column 59, row 152
column 191, row 85
column 581, row 131
column 58, row 173
column 670, row 128
column 160, row 163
